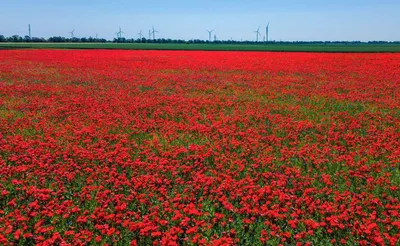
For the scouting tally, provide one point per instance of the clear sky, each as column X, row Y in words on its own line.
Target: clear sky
column 185, row 19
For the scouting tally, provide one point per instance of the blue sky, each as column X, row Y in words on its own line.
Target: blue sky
column 290, row 20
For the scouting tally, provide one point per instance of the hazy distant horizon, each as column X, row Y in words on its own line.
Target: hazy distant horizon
column 310, row 20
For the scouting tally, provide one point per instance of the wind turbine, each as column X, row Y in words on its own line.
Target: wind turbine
column 149, row 34
column 215, row 37
column 120, row 32
column 140, row 34
column 257, row 33
column 209, row 35
column 266, row 32
column 29, row 28
column 154, row 32
column 72, row 33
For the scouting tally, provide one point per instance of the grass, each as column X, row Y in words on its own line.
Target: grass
column 223, row 47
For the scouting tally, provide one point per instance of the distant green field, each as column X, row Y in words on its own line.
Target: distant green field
column 227, row 47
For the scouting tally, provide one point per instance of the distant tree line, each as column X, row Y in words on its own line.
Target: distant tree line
column 28, row 39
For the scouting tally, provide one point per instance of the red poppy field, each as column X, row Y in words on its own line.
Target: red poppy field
column 199, row 148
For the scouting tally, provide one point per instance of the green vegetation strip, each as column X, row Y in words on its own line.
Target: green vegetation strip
column 388, row 48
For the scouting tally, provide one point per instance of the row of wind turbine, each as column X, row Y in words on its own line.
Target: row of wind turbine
column 266, row 33
column 153, row 32
column 258, row 34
